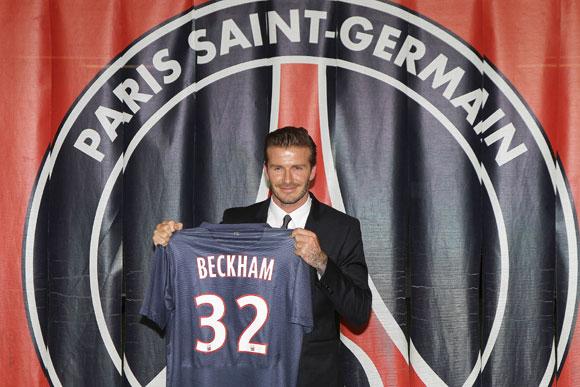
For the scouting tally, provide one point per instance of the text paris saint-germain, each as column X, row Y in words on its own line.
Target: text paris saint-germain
column 355, row 33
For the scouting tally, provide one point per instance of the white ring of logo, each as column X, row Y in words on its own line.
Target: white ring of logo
column 556, row 175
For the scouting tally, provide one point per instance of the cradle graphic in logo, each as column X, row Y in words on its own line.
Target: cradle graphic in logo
column 465, row 212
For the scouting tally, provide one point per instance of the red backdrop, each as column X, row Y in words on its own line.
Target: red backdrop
column 50, row 51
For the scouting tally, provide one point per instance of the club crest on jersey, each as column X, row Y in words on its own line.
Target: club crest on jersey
column 185, row 108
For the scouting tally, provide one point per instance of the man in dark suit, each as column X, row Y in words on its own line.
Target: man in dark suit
column 328, row 240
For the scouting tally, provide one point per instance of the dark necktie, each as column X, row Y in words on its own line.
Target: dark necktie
column 285, row 222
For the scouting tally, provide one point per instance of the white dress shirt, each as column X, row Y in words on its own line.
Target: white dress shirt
column 299, row 215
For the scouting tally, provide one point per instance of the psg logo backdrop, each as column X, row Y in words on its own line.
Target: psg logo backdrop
column 468, row 218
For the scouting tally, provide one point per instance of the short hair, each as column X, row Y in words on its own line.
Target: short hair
column 290, row 136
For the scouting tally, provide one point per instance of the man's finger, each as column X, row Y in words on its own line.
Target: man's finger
column 164, row 230
column 301, row 231
column 303, row 239
column 163, row 226
column 170, row 226
column 163, row 234
column 158, row 241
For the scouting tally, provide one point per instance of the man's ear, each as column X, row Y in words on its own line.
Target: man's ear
column 312, row 173
column 266, row 175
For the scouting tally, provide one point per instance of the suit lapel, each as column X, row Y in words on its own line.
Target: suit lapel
column 312, row 222
column 261, row 216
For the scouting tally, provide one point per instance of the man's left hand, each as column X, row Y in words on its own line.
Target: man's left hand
column 307, row 247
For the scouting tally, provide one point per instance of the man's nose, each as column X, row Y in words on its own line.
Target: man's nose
column 287, row 176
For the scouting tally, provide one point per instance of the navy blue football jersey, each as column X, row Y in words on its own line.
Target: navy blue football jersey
column 234, row 301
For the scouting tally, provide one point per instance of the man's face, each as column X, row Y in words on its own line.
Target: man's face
column 289, row 173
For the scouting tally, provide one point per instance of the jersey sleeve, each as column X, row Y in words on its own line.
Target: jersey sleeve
column 302, row 297
column 158, row 301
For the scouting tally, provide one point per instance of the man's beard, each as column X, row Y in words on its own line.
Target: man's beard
column 301, row 194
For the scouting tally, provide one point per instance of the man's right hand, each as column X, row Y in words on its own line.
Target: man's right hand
column 164, row 231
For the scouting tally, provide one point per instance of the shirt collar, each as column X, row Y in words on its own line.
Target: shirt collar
column 299, row 215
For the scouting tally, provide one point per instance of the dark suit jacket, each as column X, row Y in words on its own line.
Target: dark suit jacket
column 342, row 291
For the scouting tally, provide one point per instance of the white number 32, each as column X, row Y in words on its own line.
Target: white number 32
column 213, row 321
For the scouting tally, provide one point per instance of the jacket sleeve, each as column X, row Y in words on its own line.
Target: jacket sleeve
column 345, row 280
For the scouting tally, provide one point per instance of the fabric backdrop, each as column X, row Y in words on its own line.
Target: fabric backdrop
column 447, row 127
